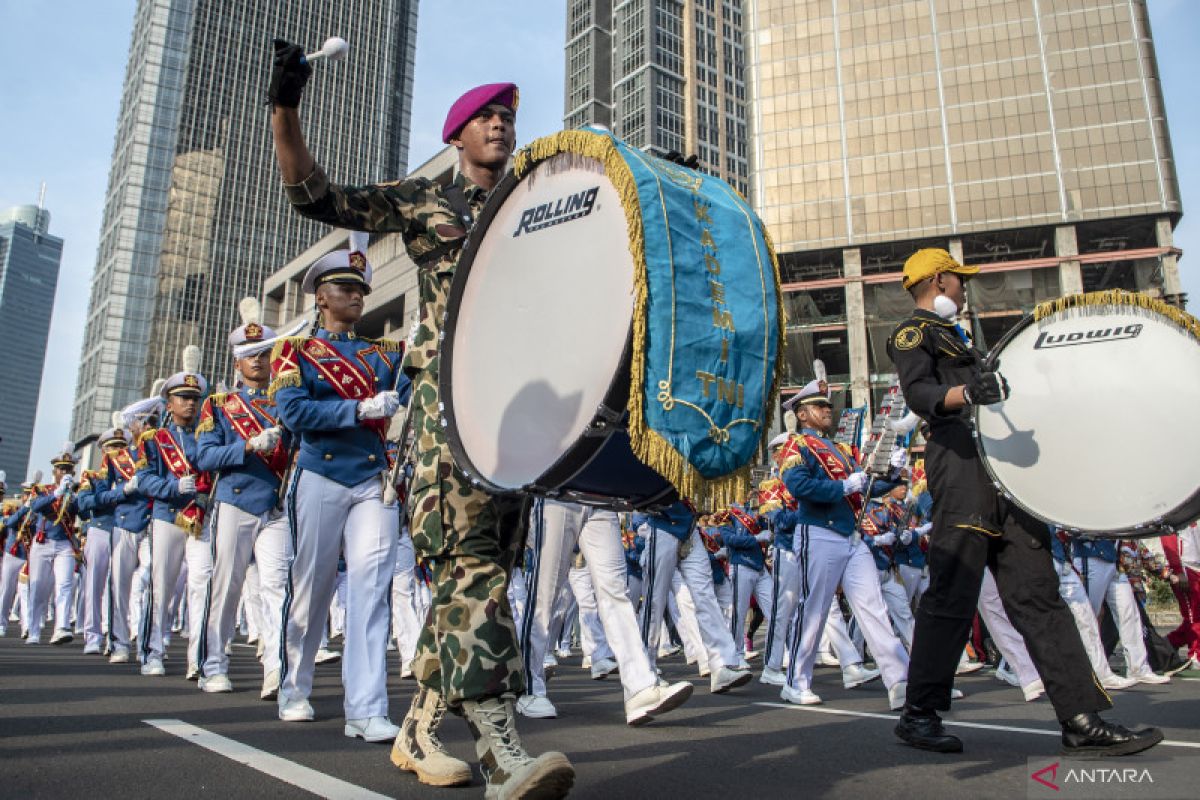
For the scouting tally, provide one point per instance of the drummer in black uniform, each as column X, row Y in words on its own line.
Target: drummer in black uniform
column 974, row 527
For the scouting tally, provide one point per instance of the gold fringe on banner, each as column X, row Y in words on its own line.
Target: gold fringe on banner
column 648, row 445
column 1120, row 297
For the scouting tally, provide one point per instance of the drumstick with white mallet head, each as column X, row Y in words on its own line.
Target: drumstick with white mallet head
column 335, row 49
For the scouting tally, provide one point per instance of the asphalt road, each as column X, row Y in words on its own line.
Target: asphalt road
column 75, row 726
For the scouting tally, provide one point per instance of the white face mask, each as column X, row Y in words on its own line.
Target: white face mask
column 944, row 307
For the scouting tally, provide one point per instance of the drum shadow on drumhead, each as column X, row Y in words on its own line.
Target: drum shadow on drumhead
column 532, row 430
column 1018, row 448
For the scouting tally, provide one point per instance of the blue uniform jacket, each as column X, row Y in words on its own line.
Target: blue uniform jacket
column 243, row 479
column 92, row 506
column 1102, row 549
column 130, row 512
column 883, row 518
column 744, row 550
column 718, row 571
column 1058, row 550
column 820, row 498
column 783, row 522
column 675, row 519
column 334, row 443
column 157, row 482
column 911, row 554
column 12, row 524
column 47, row 525
column 633, row 557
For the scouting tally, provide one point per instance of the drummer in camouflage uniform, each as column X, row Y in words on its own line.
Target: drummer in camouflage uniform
column 467, row 655
column 974, row 527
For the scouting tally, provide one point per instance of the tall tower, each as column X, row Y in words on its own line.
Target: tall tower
column 664, row 75
column 195, row 217
column 29, row 262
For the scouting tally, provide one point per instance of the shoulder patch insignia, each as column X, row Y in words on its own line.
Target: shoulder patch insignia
column 908, row 337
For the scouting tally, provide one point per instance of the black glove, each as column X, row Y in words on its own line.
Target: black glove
column 987, row 388
column 288, row 75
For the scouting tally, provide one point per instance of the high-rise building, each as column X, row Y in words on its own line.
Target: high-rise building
column 195, row 218
column 1027, row 137
column 29, row 261
column 663, row 75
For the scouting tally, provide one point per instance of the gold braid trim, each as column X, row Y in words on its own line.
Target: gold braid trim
column 207, row 421
column 385, row 345
column 648, row 445
column 292, row 376
column 1119, row 297
column 794, row 461
column 147, row 435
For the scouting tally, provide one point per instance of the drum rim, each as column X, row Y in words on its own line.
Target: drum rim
column 584, row 449
column 1152, row 529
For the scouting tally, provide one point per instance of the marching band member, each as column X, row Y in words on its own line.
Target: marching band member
column 406, row 620
column 880, row 532
column 15, row 556
column 468, row 538
column 1182, row 552
column 337, row 392
column 97, row 553
column 973, row 526
column 239, row 442
column 52, row 554
column 743, row 538
column 167, row 474
column 828, row 487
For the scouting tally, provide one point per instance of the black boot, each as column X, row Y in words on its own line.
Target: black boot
column 923, row 730
column 1088, row 735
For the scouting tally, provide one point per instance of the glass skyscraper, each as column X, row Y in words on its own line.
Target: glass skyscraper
column 195, row 217
column 1027, row 137
column 29, row 262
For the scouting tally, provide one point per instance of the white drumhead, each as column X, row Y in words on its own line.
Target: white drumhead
column 1097, row 434
column 543, row 320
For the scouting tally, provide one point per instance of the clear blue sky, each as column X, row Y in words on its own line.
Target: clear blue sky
column 62, row 63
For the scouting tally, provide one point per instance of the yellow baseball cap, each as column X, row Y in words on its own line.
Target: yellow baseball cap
column 932, row 261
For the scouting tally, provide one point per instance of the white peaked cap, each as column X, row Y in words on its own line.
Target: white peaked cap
column 342, row 266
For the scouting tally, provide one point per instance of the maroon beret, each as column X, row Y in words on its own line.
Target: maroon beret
column 475, row 100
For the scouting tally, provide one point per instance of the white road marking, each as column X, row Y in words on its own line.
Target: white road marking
column 310, row 780
column 1039, row 731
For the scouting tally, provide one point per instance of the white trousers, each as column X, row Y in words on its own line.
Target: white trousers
column 235, row 535
column 251, row 613
column 328, row 518
column 1075, row 596
column 10, row 572
column 826, row 559
column 835, row 638
column 747, row 583
column 406, row 622
column 97, row 554
column 597, row 533
column 518, row 593
column 724, row 592
column 123, row 567
column 785, row 592
column 896, row 600
column 659, row 562
column 170, row 548
column 634, row 585
column 683, row 614
column 139, row 593
column 51, row 572
column 1010, row 643
column 591, row 631
column 1105, row 585
column 915, row 580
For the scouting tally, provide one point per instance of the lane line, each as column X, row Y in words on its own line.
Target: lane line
column 298, row 775
column 1038, row 731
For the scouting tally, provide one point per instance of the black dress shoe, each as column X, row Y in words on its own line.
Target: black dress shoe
column 1089, row 735
column 924, row 731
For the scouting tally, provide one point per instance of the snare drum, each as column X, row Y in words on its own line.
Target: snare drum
column 1096, row 435
column 572, row 296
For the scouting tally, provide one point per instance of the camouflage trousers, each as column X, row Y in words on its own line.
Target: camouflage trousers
column 470, row 540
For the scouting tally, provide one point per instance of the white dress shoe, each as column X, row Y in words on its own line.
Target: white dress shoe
column 857, row 675
column 727, row 678
column 800, row 697
column 91, row 650
column 656, row 700
column 327, row 656
column 1005, row 674
column 193, row 672
column 772, row 677
column 956, row 694
column 603, row 668
column 216, row 684
column 1033, row 690
column 154, row 668
column 270, row 687
column 1149, row 677
column 826, row 660
column 536, row 707
column 296, row 711
column 120, row 655
column 372, row 729
column 562, row 653
column 1116, row 682
column 897, row 695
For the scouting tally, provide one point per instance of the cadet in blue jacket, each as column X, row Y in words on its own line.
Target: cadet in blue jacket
column 239, row 441
column 743, row 538
column 52, row 554
column 93, row 504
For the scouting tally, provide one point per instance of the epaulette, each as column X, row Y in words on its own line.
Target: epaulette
column 218, row 398
column 288, row 373
column 791, row 453
column 386, row 345
column 147, row 435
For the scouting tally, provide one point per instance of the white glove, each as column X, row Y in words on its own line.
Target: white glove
column 721, row 555
column 925, row 529
column 64, row 485
column 899, row 458
column 266, row 441
column 187, row 484
column 131, row 486
column 885, row 539
column 855, row 483
column 906, row 537
column 763, row 536
column 380, row 406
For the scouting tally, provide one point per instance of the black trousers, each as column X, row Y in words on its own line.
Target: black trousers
column 974, row 528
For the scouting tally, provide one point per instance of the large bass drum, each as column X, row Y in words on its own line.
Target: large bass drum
column 1097, row 435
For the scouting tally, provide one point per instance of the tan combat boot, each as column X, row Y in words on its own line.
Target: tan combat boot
column 510, row 772
column 417, row 748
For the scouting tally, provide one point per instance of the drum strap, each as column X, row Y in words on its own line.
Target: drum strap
column 462, row 209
